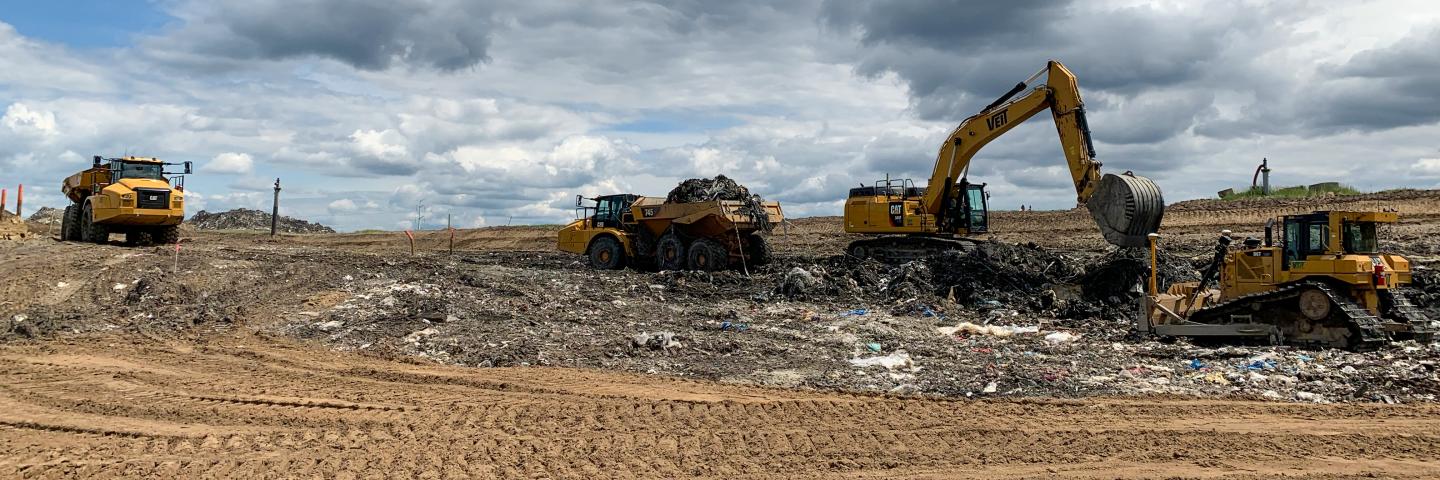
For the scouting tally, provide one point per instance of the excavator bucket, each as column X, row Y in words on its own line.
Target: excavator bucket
column 1127, row 208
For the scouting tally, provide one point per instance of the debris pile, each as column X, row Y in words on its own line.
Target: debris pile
column 707, row 189
column 47, row 216
column 247, row 219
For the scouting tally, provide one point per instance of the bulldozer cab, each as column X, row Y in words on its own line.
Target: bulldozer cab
column 1331, row 233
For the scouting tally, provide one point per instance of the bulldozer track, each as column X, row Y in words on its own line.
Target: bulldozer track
column 87, row 411
column 1421, row 326
column 1370, row 328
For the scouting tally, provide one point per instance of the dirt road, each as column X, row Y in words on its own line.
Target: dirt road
column 263, row 407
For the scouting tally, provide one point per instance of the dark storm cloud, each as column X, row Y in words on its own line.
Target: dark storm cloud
column 1382, row 88
column 367, row 34
column 957, row 56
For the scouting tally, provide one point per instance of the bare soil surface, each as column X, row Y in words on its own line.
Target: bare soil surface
column 343, row 355
column 264, row 407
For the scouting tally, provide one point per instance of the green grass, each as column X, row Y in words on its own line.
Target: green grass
column 1298, row 191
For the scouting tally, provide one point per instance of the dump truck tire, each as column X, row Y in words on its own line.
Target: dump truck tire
column 167, row 235
column 758, row 250
column 606, row 254
column 89, row 230
column 670, row 252
column 69, row 224
column 708, row 256
column 139, row 237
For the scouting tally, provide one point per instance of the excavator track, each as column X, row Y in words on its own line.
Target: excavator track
column 1348, row 325
column 1416, row 324
column 900, row 249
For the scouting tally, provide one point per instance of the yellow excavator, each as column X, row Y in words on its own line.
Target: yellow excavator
column 908, row 222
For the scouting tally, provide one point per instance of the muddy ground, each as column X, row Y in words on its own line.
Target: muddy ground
column 1038, row 312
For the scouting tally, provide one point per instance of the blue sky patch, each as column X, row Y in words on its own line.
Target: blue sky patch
column 84, row 23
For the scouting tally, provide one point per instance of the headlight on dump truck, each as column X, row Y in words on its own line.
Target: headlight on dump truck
column 127, row 199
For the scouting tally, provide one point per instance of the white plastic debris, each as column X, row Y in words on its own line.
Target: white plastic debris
column 992, row 330
column 119, row 286
column 898, row 359
column 61, row 285
column 990, row 388
column 330, row 325
column 416, row 336
column 1056, row 338
column 1310, row 397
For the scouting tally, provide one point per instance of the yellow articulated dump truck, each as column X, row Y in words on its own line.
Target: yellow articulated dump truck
column 647, row 232
column 129, row 195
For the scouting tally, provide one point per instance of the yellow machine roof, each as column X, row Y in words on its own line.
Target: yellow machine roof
column 141, row 159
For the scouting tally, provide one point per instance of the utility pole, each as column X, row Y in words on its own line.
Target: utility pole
column 275, row 209
column 450, row 228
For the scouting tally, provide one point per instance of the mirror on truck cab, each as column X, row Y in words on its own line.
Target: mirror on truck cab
column 97, row 160
column 189, row 167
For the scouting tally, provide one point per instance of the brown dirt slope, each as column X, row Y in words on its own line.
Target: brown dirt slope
column 110, row 407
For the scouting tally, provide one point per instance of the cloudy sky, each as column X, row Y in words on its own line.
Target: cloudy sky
column 501, row 112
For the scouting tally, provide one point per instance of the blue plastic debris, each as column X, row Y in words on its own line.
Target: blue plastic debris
column 874, row 347
column 1305, row 358
column 1265, row 364
column 1196, row 364
column 739, row 327
column 858, row 311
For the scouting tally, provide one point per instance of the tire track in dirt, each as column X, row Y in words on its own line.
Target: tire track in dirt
column 270, row 409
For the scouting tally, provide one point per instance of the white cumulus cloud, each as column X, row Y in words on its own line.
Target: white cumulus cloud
column 231, row 162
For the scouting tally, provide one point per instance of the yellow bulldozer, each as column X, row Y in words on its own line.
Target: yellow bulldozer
column 647, row 232
column 1324, row 283
column 129, row 195
column 905, row 221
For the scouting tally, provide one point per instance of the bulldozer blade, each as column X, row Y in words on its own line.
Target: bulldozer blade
column 1127, row 208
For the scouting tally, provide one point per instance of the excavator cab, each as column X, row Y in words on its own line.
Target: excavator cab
column 975, row 208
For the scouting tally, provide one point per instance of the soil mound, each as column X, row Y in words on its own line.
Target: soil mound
column 11, row 227
column 247, row 219
column 707, row 189
column 47, row 216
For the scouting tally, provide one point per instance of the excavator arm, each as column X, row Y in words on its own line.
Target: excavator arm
column 1126, row 207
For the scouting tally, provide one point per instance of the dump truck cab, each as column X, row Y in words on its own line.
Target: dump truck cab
column 130, row 195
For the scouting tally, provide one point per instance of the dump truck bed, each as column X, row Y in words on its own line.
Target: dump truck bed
column 706, row 219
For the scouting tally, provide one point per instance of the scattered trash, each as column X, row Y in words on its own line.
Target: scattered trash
column 893, row 361
column 119, row 286
column 874, row 347
column 855, row 312
column 1057, row 338
column 991, row 387
column 738, row 327
column 992, row 330
column 1196, row 364
column 655, row 341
